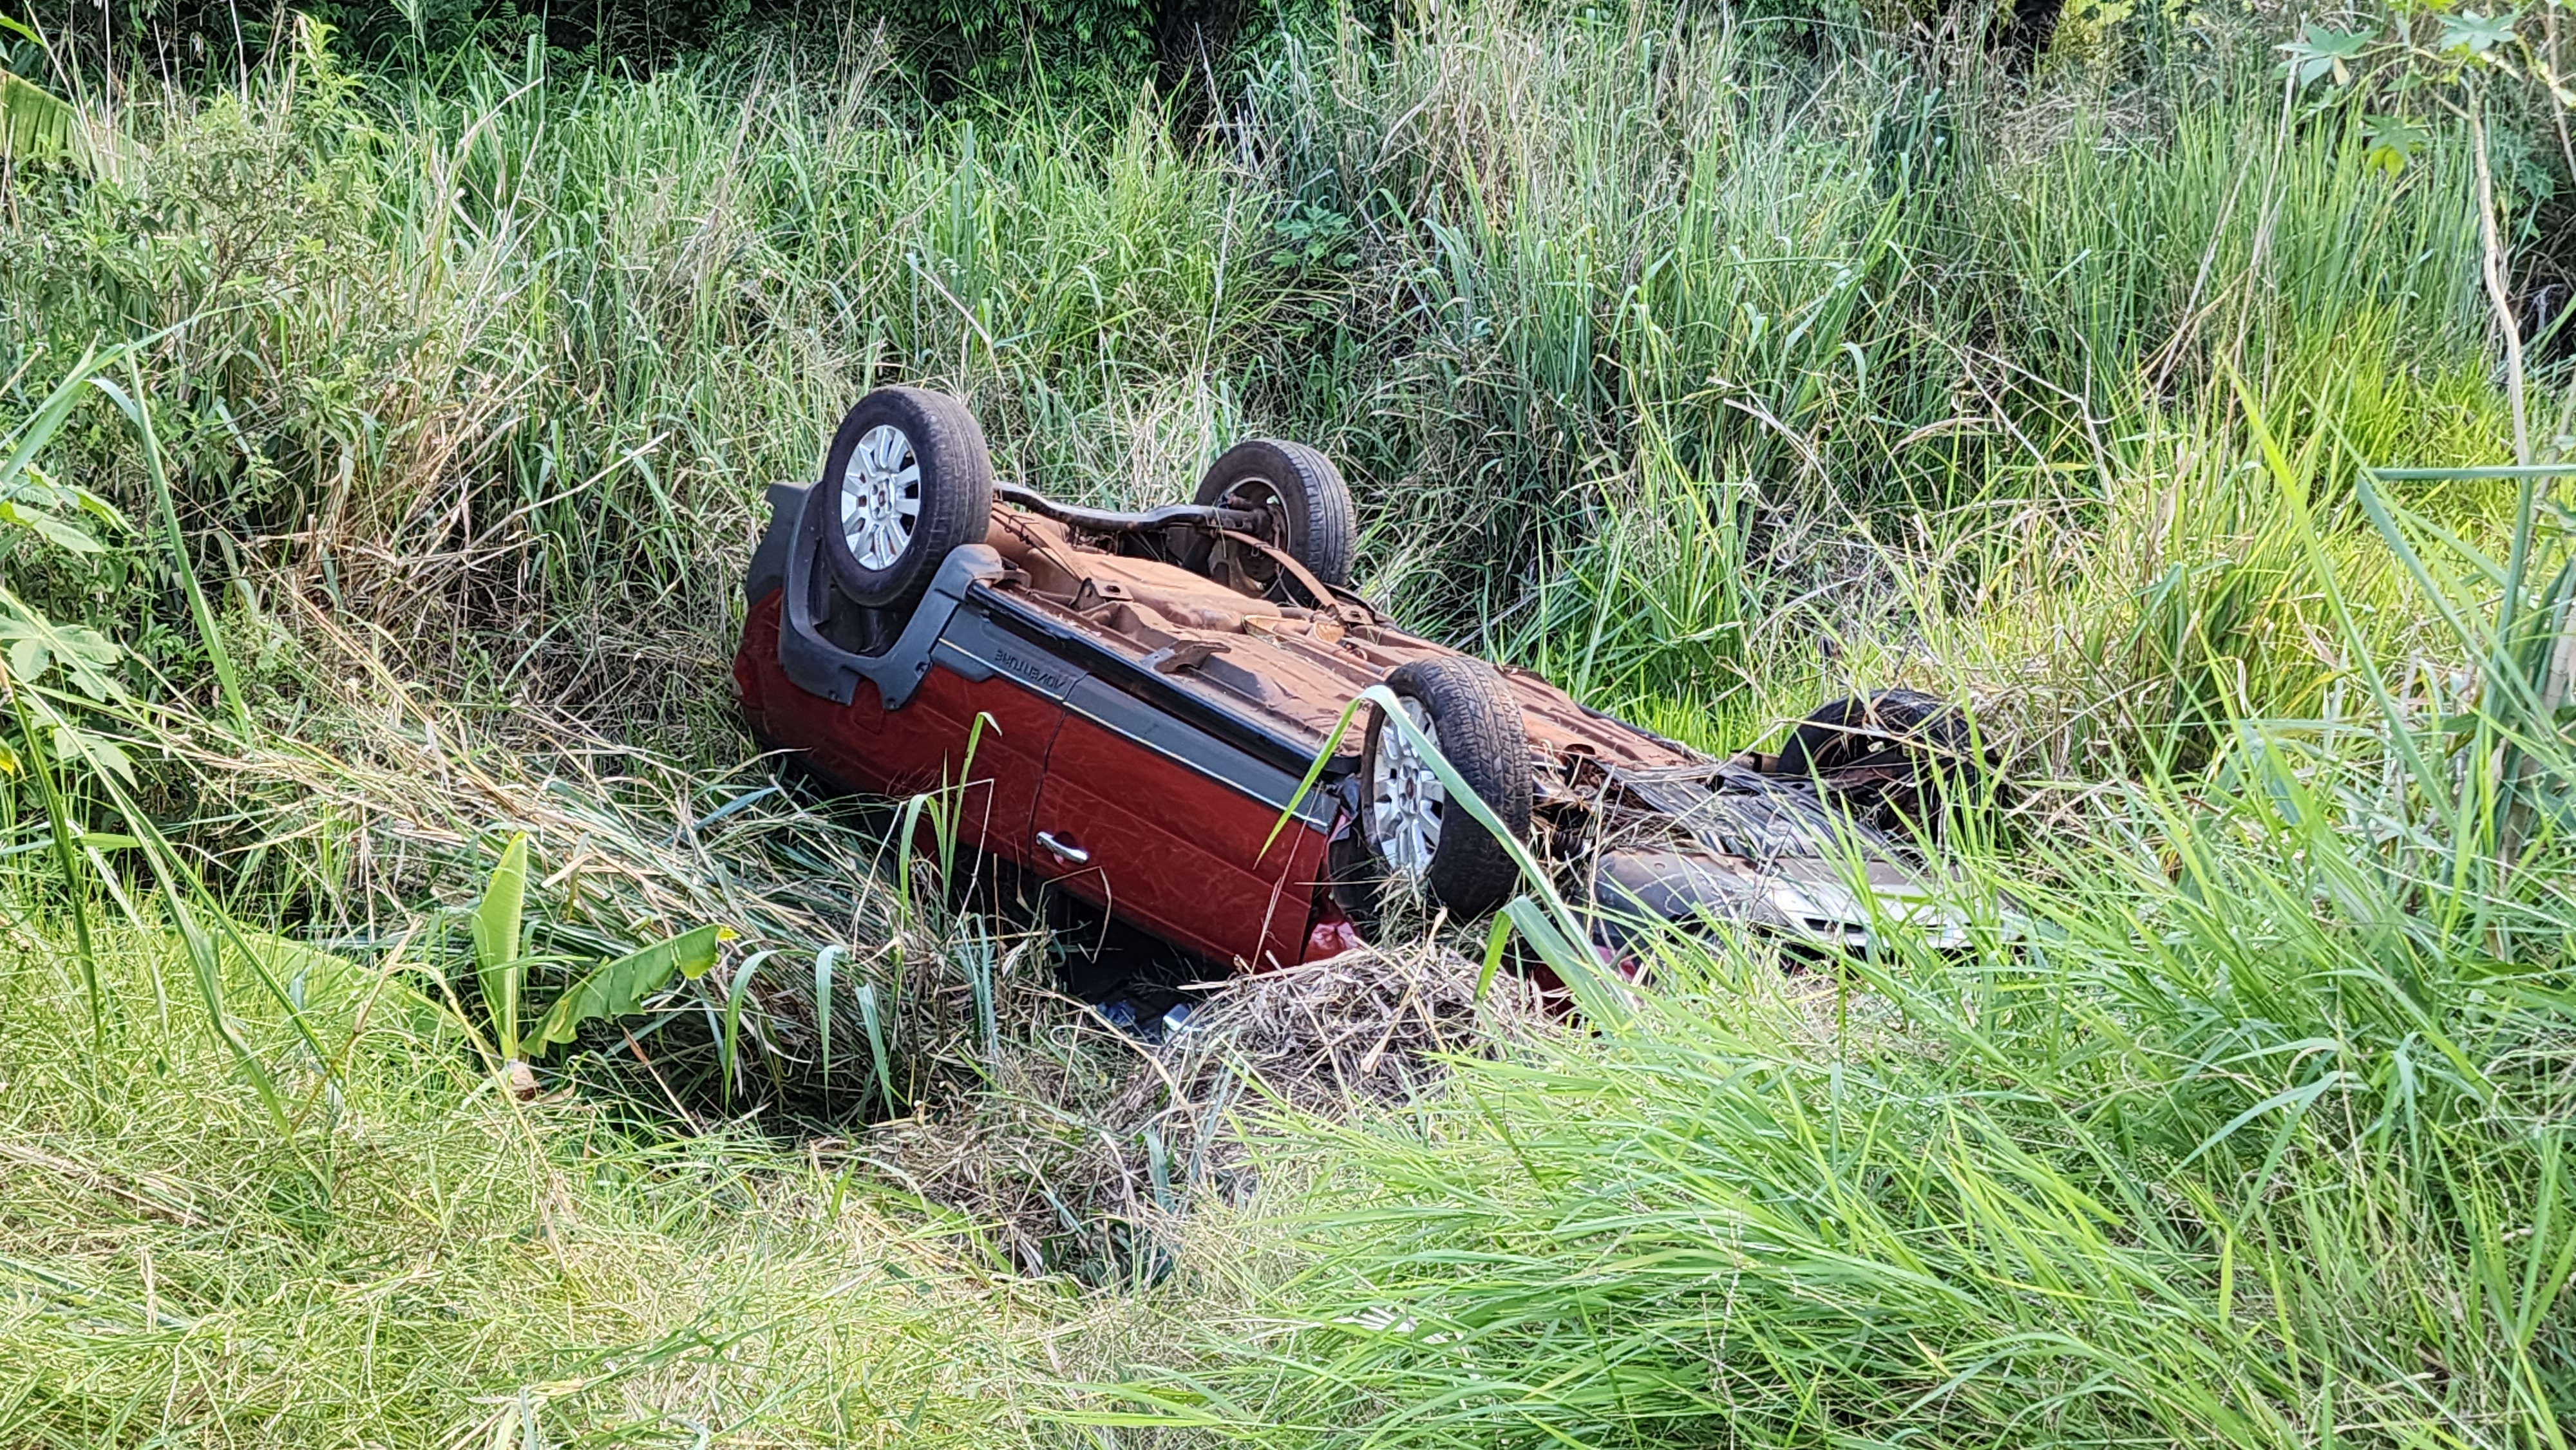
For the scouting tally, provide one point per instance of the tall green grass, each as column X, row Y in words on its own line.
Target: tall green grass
column 2247, row 1157
column 1594, row 308
column 2239, row 1118
column 421, row 1261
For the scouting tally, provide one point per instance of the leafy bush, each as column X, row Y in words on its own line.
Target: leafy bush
column 1086, row 51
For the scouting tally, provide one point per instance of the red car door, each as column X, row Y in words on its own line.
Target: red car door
column 924, row 746
column 1170, row 827
column 1009, row 729
column 986, row 716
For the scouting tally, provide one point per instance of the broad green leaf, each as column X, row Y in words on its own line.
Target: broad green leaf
column 2324, row 51
column 618, row 989
column 2473, row 34
column 496, row 942
column 89, row 502
column 45, row 526
column 36, row 644
column 2389, row 142
column 101, row 753
column 37, row 125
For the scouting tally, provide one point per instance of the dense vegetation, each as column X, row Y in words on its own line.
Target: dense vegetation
column 387, row 442
column 957, row 53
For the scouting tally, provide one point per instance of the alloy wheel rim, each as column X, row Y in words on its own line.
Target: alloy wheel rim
column 1406, row 799
column 880, row 497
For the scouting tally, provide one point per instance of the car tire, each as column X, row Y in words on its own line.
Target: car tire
column 908, row 479
column 1317, row 526
column 1414, row 834
column 1893, row 758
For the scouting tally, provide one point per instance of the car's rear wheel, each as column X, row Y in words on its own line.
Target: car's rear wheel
column 1308, row 507
column 1417, row 836
column 907, row 480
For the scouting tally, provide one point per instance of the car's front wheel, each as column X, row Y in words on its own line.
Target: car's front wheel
column 907, row 480
column 1418, row 836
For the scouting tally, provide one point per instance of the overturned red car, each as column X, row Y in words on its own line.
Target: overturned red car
column 1131, row 701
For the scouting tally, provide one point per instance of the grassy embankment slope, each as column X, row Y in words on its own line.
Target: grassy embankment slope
column 1709, row 375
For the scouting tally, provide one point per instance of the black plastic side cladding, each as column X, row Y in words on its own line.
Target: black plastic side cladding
column 980, row 643
column 817, row 666
column 769, row 562
column 980, row 635
column 1087, row 655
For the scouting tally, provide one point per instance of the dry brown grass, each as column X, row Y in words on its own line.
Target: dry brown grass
column 1087, row 1145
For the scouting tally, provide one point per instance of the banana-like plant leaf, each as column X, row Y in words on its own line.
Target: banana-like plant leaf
column 497, row 962
column 37, row 125
column 618, row 989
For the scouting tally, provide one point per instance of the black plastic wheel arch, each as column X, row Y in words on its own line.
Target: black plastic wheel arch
column 818, row 666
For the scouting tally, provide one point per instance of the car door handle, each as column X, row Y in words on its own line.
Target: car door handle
column 1065, row 851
